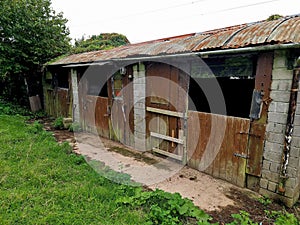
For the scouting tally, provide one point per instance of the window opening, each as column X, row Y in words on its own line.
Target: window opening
column 235, row 76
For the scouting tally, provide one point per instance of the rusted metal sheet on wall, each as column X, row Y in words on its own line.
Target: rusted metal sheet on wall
column 257, row 130
column 58, row 102
column 217, row 146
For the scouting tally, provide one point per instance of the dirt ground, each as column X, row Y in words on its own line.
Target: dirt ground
column 218, row 198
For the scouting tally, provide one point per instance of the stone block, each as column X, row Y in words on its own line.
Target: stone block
column 139, row 92
column 292, row 172
column 266, row 165
column 295, row 152
column 277, row 117
column 273, row 147
column 281, row 85
column 280, row 96
column 140, row 136
column 298, row 104
column 296, row 131
column 140, row 103
column 295, row 142
column 289, row 202
column 289, row 192
column 270, row 176
column 67, row 122
column 139, row 145
column 263, row 183
column 291, row 183
column 275, row 138
column 282, row 74
column 275, row 128
column 272, row 156
column 140, row 127
column 272, row 186
column 275, row 167
column 294, row 162
column 281, row 107
column 279, row 59
column 297, row 119
column 138, row 79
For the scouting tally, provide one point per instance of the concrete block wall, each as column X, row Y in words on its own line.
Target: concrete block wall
column 139, row 92
column 76, row 116
column 274, row 144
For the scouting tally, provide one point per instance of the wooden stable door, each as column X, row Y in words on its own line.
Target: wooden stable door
column 165, row 110
column 217, row 145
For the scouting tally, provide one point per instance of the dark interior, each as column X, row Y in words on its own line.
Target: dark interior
column 237, row 94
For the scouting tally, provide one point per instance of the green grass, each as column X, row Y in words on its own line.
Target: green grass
column 41, row 183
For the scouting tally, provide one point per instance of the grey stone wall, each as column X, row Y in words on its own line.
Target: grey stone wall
column 139, row 92
column 277, row 118
column 76, row 115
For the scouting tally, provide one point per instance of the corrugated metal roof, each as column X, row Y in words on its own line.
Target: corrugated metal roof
column 281, row 31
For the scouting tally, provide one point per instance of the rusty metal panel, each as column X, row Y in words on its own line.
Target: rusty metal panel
column 254, row 34
column 218, row 38
column 283, row 30
column 101, row 117
column 226, row 160
column 287, row 31
column 257, row 131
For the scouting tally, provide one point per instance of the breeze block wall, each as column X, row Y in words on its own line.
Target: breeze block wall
column 275, row 136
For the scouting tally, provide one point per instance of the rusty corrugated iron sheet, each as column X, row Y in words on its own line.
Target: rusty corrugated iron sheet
column 281, row 31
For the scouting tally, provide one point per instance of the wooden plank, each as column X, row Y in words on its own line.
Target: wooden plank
column 171, row 155
column 101, row 117
column 168, row 138
column 241, row 175
column 231, row 148
column 225, row 166
column 163, row 128
column 223, row 155
column 165, row 112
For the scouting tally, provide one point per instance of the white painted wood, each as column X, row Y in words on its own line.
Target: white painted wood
column 165, row 112
column 171, row 155
column 167, row 138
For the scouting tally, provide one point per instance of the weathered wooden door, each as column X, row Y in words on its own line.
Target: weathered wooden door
column 166, row 110
column 217, row 145
column 120, row 95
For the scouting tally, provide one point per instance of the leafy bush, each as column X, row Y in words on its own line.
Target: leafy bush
column 36, row 127
column 243, row 218
column 75, row 127
column 282, row 218
column 10, row 108
column 166, row 208
column 265, row 200
column 58, row 123
column 7, row 108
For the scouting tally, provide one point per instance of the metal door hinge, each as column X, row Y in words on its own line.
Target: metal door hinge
column 252, row 135
column 241, row 155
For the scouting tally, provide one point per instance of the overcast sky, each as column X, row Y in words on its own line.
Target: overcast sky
column 153, row 19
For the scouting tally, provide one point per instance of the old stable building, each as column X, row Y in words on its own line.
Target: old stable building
column 222, row 101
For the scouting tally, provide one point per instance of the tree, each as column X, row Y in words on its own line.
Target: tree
column 274, row 17
column 103, row 41
column 31, row 33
